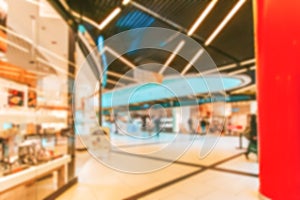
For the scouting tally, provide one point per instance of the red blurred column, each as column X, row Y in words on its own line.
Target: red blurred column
column 278, row 76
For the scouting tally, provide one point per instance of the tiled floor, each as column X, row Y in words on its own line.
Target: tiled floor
column 188, row 178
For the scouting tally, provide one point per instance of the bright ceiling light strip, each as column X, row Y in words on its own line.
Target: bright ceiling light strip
column 173, row 55
column 121, row 76
column 171, row 38
column 253, row 67
column 191, row 63
column 202, row 17
column 115, row 82
column 253, row 86
column 109, row 18
column 224, row 22
column 84, row 18
column 34, row 2
column 14, row 45
column 219, row 69
column 246, row 62
column 237, row 72
column 125, row 2
column 227, row 67
column 120, row 57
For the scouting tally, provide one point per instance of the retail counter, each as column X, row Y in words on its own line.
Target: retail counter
column 10, row 182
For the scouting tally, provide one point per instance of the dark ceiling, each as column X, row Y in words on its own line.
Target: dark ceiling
column 234, row 44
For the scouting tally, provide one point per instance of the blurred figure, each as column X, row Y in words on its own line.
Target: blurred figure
column 229, row 125
column 114, row 121
column 191, row 125
column 157, row 121
column 144, row 122
column 203, row 125
column 252, row 135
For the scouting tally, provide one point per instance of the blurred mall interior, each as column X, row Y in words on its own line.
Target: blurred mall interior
column 149, row 99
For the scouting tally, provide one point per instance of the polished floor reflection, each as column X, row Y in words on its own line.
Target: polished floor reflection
column 223, row 174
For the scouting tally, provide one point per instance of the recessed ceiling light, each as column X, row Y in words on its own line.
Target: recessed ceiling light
column 192, row 62
column 237, row 72
column 218, row 69
column 109, row 18
column 246, row 62
column 173, row 55
column 125, row 2
column 202, row 17
column 122, row 76
column 120, row 57
column 250, row 87
column 224, row 22
column 253, row 67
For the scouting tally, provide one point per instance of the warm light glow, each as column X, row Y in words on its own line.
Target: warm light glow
column 253, row 67
column 122, row 76
column 125, row 2
column 189, row 65
column 219, row 69
column 109, row 18
column 237, row 72
column 202, row 17
column 250, row 87
column 246, row 62
column 224, row 22
column 115, row 82
column 120, row 57
column 173, row 55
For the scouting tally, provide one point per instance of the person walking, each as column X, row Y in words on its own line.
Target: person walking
column 191, row 125
column 252, row 136
column 157, row 122
column 203, row 125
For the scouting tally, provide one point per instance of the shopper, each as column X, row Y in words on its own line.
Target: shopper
column 144, row 122
column 203, row 125
column 191, row 125
column 252, row 135
column 229, row 125
column 115, row 123
column 157, row 121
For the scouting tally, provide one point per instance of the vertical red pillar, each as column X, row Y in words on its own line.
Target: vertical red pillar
column 278, row 77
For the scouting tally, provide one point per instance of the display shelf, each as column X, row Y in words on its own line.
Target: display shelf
column 35, row 172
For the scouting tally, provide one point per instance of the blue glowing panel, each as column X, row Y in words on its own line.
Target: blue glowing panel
column 170, row 88
column 135, row 19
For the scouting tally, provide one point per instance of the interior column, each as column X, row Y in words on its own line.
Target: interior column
column 278, row 74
